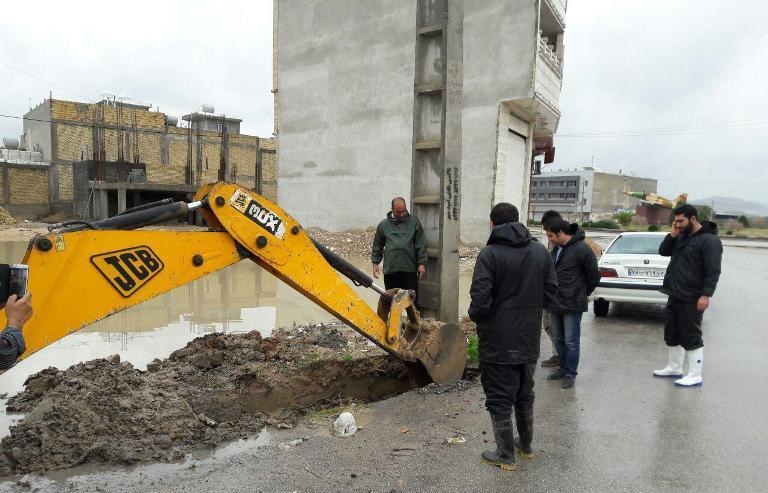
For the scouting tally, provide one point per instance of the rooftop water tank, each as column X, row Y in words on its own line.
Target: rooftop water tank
column 206, row 108
column 171, row 121
column 10, row 143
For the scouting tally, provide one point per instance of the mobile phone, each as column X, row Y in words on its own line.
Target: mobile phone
column 18, row 280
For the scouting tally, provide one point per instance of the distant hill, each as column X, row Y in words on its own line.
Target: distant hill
column 731, row 205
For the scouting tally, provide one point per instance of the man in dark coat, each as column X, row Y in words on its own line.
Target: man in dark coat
column 577, row 277
column 514, row 279
column 401, row 243
column 690, row 282
column 554, row 360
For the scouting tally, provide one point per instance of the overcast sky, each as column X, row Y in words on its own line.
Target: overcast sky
column 636, row 68
column 175, row 55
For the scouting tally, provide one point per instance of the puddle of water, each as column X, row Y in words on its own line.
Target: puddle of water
column 147, row 472
column 240, row 298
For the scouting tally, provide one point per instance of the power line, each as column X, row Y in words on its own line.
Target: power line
column 46, row 81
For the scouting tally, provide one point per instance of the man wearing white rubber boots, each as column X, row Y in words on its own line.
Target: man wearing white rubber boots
column 690, row 282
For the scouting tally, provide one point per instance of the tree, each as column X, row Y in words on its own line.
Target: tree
column 705, row 212
column 743, row 221
column 624, row 217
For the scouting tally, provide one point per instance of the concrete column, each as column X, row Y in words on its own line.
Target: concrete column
column 100, row 204
column 6, row 186
column 436, row 169
column 121, row 200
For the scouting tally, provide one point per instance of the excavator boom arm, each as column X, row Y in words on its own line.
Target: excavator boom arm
column 78, row 276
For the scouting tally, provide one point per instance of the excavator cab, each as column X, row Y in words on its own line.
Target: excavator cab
column 105, row 266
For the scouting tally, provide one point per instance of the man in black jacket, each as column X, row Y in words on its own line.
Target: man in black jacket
column 577, row 277
column 690, row 281
column 514, row 279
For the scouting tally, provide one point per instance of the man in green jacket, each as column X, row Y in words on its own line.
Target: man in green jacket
column 401, row 243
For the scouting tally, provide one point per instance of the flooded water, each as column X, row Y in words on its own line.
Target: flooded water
column 240, row 298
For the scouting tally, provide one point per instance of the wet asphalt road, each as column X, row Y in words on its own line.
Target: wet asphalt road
column 620, row 429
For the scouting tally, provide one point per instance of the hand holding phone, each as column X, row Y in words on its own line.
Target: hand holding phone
column 18, row 310
column 18, row 280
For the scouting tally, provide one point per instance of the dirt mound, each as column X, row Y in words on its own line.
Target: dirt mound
column 218, row 388
column 6, row 217
column 358, row 244
column 57, row 217
column 345, row 243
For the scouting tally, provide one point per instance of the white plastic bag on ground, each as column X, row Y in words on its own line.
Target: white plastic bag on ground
column 344, row 426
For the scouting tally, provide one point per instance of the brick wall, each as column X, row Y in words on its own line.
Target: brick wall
column 24, row 189
column 84, row 113
column 74, row 141
column 28, row 186
column 65, row 182
column 165, row 173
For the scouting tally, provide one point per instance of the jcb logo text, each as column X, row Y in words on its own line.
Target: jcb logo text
column 128, row 270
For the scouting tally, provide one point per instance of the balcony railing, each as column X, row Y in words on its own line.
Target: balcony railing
column 548, row 54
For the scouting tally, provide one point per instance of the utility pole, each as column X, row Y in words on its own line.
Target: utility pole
column 436, row 165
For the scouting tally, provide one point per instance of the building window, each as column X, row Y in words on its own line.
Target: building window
column 586, row 183
column 570, row 195
column 219, row 127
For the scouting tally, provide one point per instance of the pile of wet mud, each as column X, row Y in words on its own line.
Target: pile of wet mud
column 219, row 388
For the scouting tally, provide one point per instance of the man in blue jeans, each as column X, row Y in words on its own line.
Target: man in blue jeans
column 577, row 277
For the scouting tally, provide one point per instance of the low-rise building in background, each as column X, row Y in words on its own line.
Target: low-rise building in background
column 585, row 194
column 93, row 160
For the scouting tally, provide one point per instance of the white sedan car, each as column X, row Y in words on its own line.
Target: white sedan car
column 632, row 272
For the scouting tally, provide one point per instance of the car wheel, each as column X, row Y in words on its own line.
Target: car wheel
column 601, row 308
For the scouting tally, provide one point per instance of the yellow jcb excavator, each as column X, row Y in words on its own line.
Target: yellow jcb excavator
column 82, row 272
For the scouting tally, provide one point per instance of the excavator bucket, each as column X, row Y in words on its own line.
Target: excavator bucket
column 440, row 347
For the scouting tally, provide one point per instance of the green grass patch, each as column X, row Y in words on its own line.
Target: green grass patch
column 472, row 353
column 346, row 358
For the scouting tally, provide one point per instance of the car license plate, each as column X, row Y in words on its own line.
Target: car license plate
column 645, row 272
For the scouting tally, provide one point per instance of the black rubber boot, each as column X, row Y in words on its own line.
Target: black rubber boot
column 524, row 420
column 504, row 455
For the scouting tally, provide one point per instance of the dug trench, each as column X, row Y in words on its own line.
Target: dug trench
column 219, row 388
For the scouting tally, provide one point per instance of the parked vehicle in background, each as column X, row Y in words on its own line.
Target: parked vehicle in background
column 632, row 272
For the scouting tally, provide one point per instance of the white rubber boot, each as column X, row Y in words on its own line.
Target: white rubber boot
column 693, row 378
column 674, row 367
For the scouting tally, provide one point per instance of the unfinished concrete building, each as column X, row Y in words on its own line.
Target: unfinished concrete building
column 358, row 94
column 95, row 160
